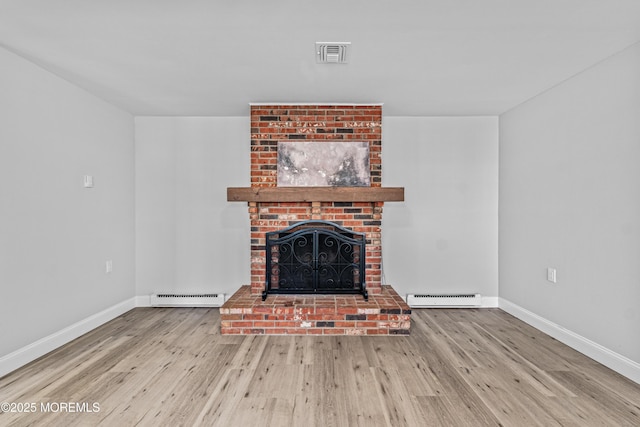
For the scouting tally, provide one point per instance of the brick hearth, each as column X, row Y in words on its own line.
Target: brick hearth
column 384, row 314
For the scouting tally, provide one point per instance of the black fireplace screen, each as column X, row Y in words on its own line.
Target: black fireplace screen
column 315, row 257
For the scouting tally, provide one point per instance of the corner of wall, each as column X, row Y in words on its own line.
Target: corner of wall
column 28, row 353
column 597, row 352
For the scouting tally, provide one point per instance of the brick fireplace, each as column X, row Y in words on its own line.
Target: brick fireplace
column 272, row 208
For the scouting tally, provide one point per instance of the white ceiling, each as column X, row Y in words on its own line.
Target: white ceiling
column 418, row 57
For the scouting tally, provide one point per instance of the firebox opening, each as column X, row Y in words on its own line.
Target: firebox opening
column 315, row 257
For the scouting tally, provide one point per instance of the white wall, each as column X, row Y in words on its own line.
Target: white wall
column 55, row 236
column 570, row 199
column 189, row 238
column 444, row 237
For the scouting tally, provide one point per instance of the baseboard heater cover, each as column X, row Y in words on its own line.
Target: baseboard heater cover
column 444, row 300
column 187, row 300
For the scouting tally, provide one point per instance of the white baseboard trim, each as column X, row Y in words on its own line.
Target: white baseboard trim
column 490, row 302
column 28, row 353
column 143, row 301
column 597, row 352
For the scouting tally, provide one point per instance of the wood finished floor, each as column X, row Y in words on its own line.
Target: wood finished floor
column 459, row 367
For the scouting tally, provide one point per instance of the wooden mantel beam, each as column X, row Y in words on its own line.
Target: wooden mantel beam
column 315, row 194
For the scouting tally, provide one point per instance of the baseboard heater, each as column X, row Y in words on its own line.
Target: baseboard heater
column 187, row 300
column 444, row 300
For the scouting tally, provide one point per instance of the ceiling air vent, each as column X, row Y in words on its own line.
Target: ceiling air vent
column 332, row 52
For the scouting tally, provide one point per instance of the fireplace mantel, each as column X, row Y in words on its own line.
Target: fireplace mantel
column 315, row 194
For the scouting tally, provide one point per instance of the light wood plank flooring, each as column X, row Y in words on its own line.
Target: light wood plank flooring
column 459, row 367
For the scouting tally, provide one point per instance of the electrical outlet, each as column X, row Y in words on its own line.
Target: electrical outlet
column 108, row 266
column 551, row 275
column 88, row 181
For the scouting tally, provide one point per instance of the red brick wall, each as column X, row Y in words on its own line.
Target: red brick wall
column 273, row 123
column 270, row 124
